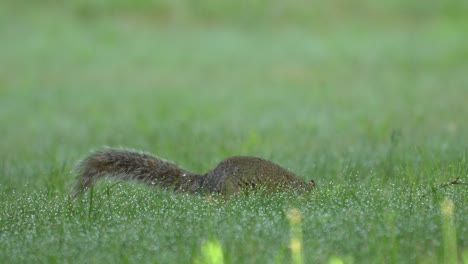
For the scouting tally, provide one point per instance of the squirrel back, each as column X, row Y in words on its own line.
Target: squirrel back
column 230, row 176
column 238, row 173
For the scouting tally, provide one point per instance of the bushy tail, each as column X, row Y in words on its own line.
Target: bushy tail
column 127, row 165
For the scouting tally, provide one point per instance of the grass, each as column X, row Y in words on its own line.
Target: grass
column 370, row 102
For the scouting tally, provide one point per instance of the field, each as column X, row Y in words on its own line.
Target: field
column 368, row 100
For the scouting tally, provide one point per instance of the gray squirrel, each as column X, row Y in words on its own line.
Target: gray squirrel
column 232, row 175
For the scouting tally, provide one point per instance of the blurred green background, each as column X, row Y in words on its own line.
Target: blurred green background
column 301, row 82
column 368, row 98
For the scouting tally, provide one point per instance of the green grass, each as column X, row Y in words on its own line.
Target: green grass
column 368, row 100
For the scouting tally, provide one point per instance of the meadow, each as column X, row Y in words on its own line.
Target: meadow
column 368, row 99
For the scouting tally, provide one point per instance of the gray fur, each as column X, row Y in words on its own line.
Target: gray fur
column 232, row 175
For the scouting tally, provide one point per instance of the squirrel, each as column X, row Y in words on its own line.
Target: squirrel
column 232, row 175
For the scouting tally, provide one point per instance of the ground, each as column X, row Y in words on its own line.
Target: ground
column 368, row 100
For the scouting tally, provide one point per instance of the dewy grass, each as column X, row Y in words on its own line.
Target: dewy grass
column 449, row 232
column 320, row 95
column 211, row 253
column 295, row 240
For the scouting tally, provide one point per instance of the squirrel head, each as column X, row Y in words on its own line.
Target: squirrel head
column 311, row 184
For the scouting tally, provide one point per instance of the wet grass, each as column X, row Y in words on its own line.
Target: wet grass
column 373, row 108
column 131, row 223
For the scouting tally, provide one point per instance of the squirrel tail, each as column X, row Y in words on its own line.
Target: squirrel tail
column 129, row 165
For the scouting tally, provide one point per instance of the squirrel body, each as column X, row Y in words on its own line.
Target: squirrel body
column 230, row 176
